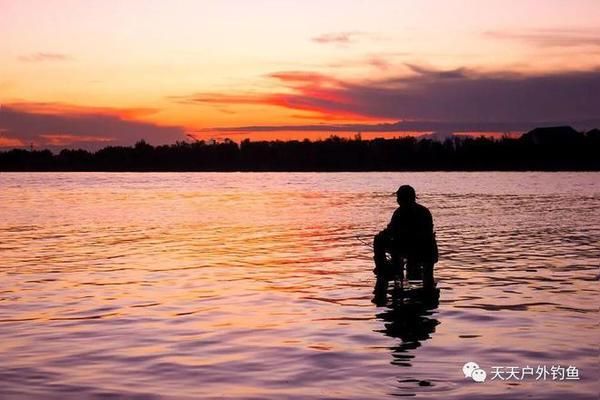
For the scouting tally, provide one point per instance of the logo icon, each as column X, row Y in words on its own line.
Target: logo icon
column 472, row 370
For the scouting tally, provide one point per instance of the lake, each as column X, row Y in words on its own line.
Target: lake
column 256, row 285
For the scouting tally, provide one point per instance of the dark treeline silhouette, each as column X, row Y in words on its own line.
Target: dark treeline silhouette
column 556, row 148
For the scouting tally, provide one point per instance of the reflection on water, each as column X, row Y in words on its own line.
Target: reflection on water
column 409, row 319
column 186, row 286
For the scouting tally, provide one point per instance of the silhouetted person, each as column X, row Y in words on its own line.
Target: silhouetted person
column 409, row 236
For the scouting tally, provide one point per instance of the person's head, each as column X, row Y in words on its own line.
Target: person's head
column 406, row 195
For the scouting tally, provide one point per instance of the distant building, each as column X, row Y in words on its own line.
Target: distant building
column 553, row 134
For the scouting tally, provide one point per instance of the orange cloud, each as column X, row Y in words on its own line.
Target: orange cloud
column 74, row 110
column 220, row 98
column 303, row 78
column 62, row 139
column 10, row 142
column 315, row 93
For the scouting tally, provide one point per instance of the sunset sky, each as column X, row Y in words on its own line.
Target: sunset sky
column 93, row 73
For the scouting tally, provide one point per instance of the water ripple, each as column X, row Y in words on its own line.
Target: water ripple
column 253, row 286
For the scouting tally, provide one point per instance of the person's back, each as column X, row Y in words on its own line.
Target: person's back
column 411, row 228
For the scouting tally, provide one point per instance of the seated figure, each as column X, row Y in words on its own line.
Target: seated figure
column 409, row 240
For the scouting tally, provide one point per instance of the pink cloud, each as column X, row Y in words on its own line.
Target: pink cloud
column 336, row 37
column 44, row 57
column 551, row 37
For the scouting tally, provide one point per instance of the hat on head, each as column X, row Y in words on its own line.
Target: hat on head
column 406, row 192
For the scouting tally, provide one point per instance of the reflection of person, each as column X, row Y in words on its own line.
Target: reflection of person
column 413, row 323
column 410, row 236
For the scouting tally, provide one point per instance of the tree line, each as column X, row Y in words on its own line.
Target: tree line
column 551, row 149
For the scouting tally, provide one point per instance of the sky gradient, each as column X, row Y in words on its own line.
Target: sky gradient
column 94, row 73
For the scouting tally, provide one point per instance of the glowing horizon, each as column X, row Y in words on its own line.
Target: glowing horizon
column 104, row 72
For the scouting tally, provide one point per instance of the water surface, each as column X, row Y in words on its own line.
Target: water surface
column 254, row 285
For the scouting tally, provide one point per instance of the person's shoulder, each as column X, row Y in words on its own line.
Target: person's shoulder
column 423, row 209
column 421, row 206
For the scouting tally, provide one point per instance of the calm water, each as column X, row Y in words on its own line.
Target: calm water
column 187, row 286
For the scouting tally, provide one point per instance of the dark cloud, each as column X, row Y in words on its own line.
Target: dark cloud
column 77, row 127
column 433, row 96
column 412, row 126
column 437, row 74
column 43, row 57
column 460, row 95
column 551, row 37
